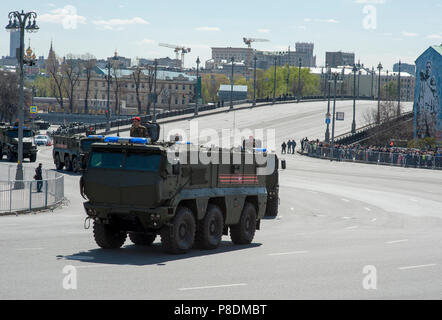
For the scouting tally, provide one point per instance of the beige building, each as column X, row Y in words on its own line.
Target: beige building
column 175, row 91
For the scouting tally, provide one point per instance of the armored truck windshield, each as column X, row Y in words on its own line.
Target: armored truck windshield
column 126, row 161
column 14, row 133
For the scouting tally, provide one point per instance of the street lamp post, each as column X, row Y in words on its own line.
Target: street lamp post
column 288, row 72
column 353, row 125
column 335, row 80
column 109, row 79
column 197, row 85
column 154, row 119
column 372, row 82
column 274, row 82
column 327, row 132
column 232, row 59
column 254, row 81
column 299, row 80
column 378, row 117
column 399, row 91
column 19, row 24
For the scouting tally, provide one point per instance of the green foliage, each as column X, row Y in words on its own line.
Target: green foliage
column 426, row 143
column 42, row 86
column 389, row 90
column 210, row 84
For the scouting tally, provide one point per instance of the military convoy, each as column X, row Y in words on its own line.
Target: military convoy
column 142, row 189
column 70, row 152
column 9, row 143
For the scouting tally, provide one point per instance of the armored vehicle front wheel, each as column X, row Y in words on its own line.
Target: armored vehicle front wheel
column 108, row 237
column 210, row 229
column 75, row 165
column 11, row 156
column 142, row 239
column 180, row 236
column 244, row 231
column 58, row 164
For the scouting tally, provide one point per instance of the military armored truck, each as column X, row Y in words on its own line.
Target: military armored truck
column 70, row 152
column 9, row 143
column 134, row 188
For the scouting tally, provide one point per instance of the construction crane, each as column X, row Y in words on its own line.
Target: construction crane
column 177, row 50
column 248, row 42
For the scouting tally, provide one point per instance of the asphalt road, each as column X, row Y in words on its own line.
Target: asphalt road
column 345, row 231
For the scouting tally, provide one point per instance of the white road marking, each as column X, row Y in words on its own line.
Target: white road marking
column 367, row 209
column 414, row 200
column 212, row 287
column 396, row 241
column 23, row 249
column 345, row 218
column 345, row 200
column 352, row 227
column 287, row 253
column 418, row 266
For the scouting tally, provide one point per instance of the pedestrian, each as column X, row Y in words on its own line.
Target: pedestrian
column 283, row 146
column 289, row 146
column 39, row 177
column 137, row 129
column 293, row 146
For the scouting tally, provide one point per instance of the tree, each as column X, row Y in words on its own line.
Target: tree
column 57, row 80
column 9, row 96
column 88, row 67
column 71, row 68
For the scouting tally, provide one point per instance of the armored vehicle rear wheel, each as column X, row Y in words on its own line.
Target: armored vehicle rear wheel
column 180, row 237
column 33, row 157
column 244, row 231
column 68, row 163
column 108, row 237
column 11, row 156
column 210, row 229
column 58, row 164
column 272, row 207
column 142, row 239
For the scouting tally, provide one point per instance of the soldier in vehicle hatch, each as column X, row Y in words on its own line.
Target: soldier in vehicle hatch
column 138, row 130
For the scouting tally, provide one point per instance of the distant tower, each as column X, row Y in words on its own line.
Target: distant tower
column 14, row 43
column 51, row 62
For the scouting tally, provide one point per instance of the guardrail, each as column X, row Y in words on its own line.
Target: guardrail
column 408, row 158
column 29, row 194
column 191, row 110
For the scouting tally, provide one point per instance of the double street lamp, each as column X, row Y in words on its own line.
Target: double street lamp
column 378, row 117
column 299, row 79
column 21, row 22
column 232, row 59
column 197, row 95
column 353, row 125
column 254, row 81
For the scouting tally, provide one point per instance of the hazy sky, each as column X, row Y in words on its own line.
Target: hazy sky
column 375, row 30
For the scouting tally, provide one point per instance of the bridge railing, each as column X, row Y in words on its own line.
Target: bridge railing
column 400, row 157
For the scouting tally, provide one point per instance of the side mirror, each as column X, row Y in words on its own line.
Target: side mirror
column 176, row 169
column 283, row 164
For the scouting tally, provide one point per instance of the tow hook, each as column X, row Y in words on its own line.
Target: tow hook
column 87, row 222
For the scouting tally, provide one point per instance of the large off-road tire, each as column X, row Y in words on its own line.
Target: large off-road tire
column 11, row 156
column 68, row 163
column 75, row 165
column 142, row 239
column 180, row 236
column 210, row 229
column 108, row 237
column 58, row 164
column 272, row 207
column 244, row 231
column 33, row 157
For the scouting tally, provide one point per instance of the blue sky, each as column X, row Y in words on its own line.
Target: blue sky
column 403, row 29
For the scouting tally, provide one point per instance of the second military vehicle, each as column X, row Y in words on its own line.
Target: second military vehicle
column 135, row 188
column 9, row 143
column 71, row 152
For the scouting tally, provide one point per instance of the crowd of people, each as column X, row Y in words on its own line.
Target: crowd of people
column 404, row 157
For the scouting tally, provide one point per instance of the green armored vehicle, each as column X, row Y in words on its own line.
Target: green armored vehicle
column 9, row 143
column 71, row 152
column 143, row 190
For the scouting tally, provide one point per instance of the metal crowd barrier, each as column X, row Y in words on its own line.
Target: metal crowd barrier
column 30, row 194
column 407, row 158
